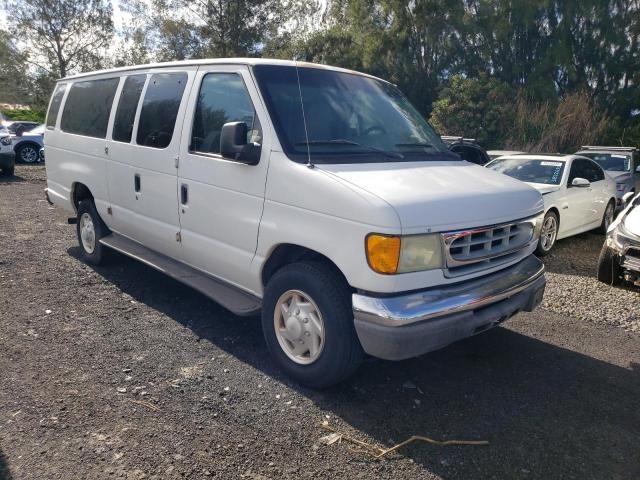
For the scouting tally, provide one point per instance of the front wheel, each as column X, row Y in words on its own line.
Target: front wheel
column 609, row 271
column 307, row 322
column 27, row 154
column 549, row 234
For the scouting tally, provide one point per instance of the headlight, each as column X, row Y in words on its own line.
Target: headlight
column 402, row 254
column 537, row 227
column 5, row 140
column 621, row 187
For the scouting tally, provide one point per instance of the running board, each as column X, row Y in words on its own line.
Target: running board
column 231, row 298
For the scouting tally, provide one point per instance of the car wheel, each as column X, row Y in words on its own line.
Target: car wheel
column 609, row 271
column 549, row 234
column 307, row 320
column 607, row 218
column 27, row 154
column 90, row 229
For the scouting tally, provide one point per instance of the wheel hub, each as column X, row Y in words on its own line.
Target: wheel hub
column 299, row 327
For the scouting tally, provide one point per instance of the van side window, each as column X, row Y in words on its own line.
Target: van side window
column 56, row 100
column 88, row 106
column 127, row 106
column 223, row 98
column 160, row 109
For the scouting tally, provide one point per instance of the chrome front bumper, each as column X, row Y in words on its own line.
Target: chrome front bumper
column 405, row 326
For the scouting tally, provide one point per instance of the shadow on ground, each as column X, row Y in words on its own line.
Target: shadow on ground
column 5, row 474
column 547, row 411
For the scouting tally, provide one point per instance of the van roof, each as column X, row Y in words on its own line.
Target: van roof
column 217, row 61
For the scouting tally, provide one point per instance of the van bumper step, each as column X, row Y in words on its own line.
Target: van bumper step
column 230, row 297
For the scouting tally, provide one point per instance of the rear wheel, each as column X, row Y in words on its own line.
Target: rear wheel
column 90, row 229
column 307, row 321
column 549, row 233
column 609, row 271
column 607, row 218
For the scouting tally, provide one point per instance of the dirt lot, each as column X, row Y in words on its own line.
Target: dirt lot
column 120, row 372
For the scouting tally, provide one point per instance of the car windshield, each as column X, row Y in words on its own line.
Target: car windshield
column 530, row 170
column 612, row 162
column 329, row 116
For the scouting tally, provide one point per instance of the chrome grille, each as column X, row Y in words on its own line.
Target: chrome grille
column 479, row 248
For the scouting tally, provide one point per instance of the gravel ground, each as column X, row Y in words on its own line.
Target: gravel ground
column 120, row 372
column 573, row 288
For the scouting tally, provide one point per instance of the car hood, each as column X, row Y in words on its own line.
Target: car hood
column 442, row 195
column 632, row 221
column 619, row 176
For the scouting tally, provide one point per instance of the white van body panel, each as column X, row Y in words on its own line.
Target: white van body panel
column 237, row 215
column 220, row 221
column 150, row 216
column 424, row 193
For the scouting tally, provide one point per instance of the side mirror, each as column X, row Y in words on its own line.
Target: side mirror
column 580, row 182
column 233, row 144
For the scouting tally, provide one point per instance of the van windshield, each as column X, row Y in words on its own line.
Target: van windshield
column 328, row 116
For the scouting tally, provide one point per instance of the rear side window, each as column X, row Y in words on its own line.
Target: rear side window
column 56, row 100
column 88, row 106
column 160, row 109
column 223, row 98
column 127, row 106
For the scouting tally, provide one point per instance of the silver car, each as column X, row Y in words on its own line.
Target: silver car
column 27, row 146
column 621, row 163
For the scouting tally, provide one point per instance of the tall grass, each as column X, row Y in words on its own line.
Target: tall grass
column 560, row 127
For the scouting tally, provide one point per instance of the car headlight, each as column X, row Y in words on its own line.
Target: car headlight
column 621, row 187
column 5, row 140
column 391, row 254
column 538, row 220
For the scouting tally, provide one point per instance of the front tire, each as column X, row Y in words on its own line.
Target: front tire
column 27, row 154
column 609, row 271
column 549, row 234
column 90, row 229
column 307, row 320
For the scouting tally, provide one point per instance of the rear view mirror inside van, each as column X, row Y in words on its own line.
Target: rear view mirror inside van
column 233, row 144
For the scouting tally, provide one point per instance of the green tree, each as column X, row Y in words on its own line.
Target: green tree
column 63, row 35
column 14, row 82
column 480, row 108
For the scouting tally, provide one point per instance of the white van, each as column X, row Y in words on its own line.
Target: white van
column 314, row 194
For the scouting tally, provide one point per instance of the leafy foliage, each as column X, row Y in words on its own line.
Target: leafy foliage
column 479, row 108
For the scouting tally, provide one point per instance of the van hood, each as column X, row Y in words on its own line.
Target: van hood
column 442, row 195
column 544, row 188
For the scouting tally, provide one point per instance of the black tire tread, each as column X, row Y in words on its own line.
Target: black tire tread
column 336, row 293
column 608, row 270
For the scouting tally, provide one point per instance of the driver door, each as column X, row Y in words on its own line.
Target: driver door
column 221, row 199
column 579, row 209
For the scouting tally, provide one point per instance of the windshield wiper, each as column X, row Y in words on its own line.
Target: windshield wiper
column 341, row 141
column 418, row 144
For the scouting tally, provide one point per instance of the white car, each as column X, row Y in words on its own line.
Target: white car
column 578, row 194
column 316, row 195
column 493, row 154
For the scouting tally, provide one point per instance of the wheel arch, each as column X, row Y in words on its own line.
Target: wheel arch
column 288, row 253
column 25, row 143
column 79, row 192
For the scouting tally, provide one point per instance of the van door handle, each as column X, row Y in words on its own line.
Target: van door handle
column 184, row 194
column 136, row 182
